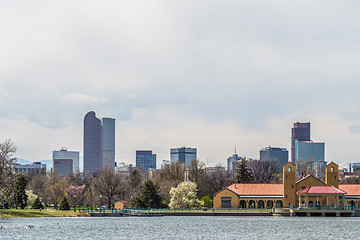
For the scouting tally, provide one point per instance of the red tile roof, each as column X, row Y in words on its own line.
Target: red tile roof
column 321, row 190
column 351, row 189
column 256, row 189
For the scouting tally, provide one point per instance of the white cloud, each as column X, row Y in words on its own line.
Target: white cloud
column 79, row 98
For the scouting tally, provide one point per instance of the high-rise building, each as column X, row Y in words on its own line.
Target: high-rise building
column 65, row 161
column 232, row 161
column 164, row 163
column 145, row 160
column 183, row 155
column 93, row 143
column 273, row 153
column 309, row 151
column 108, row 142
column 312, row 154
column 301, row 132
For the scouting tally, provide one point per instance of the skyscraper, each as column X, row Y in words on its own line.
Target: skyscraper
column 273, row 153
column 232, row 161
column 65, row 161
column 108, row 142
column 93, row 143
column 145, row 160
column 183, row 155
column 300, row 132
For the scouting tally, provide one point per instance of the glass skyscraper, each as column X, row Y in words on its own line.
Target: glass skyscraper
column 145, row 160
column 273, row 153
column 183, row 155
column 301, row 132
column 93, row 143
column 233, row 161
column 108, row 142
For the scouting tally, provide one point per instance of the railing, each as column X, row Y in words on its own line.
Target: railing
column 326, row 208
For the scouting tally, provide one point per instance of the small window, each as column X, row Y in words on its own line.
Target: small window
column 285, row 176
column 285, row 196
column 292, row 186
column 332, row 169
column 289, row 169
column 335, row 177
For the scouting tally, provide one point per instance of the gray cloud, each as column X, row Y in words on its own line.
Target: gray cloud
column 222, row 64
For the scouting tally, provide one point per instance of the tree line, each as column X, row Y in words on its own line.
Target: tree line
column 165, row 188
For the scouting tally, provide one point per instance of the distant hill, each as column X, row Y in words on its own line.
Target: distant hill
column 23, row 161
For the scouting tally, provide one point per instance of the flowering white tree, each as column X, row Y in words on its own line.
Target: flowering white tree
column 184, row 196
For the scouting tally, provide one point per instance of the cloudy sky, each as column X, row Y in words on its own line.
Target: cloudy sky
column 208, row 74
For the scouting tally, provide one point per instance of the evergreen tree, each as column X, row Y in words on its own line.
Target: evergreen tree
column 149, row 197
column 64, row 204
column 20, row 195
column 37, row 204
column 243, row 173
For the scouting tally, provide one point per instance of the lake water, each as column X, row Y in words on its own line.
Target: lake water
column 169, row 227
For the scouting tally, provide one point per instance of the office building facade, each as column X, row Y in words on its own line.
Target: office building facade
column 65, row 161
column 31, row 169
column 233, row 161
column 93, row 143
column 145, row 160
column 273, row 153
column 183, row 155
column 300, row 132
column 108, row 142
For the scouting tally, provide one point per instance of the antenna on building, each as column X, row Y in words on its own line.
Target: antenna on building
column 235, row 150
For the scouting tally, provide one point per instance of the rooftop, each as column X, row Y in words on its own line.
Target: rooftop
column 321, row 190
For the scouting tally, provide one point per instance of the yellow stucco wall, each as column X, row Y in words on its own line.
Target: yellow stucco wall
column 226, row 193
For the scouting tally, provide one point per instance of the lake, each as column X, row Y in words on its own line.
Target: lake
column 170, row 227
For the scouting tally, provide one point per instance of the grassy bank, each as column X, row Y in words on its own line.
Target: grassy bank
column 18, row 213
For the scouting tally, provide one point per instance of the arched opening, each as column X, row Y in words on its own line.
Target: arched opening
column 242, row 204
column 352, row 205
column 311, row 204
column 261, row 204
column 251, row 204
column 279, row 204
column 270, row 204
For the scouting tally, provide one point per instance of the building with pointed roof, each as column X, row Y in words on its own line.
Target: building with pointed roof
column 308, row 191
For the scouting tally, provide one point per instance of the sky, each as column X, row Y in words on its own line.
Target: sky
column 209, row 74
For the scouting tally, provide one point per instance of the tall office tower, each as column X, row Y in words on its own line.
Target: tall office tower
column 273, row 153
column 301, row 132
column 108, row 142
column 145, row 160
column 93, row 143
column 65, row 161
column 233, row 161
column 183, row 155
column 312, row 154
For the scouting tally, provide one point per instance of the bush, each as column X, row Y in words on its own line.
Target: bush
column 64, row 205
column 207, row 202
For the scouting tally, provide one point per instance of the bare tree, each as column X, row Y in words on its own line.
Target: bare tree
column 197, row 171
column 263, row 171
column 173, row 173
column 7, row 169
column 215, row 181
column 109, row 185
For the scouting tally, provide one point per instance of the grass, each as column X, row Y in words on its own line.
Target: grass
column 22, row 213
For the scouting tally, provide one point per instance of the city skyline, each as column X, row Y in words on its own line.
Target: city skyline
column 173, row 75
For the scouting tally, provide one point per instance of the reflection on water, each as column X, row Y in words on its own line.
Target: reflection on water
column 181, row 228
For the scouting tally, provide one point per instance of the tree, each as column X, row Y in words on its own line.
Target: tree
column 184, row 196
column 150, row 197
column 109, row 185
column 64, row 204
column 75, row 195
column 243, row 173
column 216, row 180
column 207, row 202
column 20, row 194
column 134, row 181
column 197, row 171
column 7, row 169
column 263, row 171
column 37, row 204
